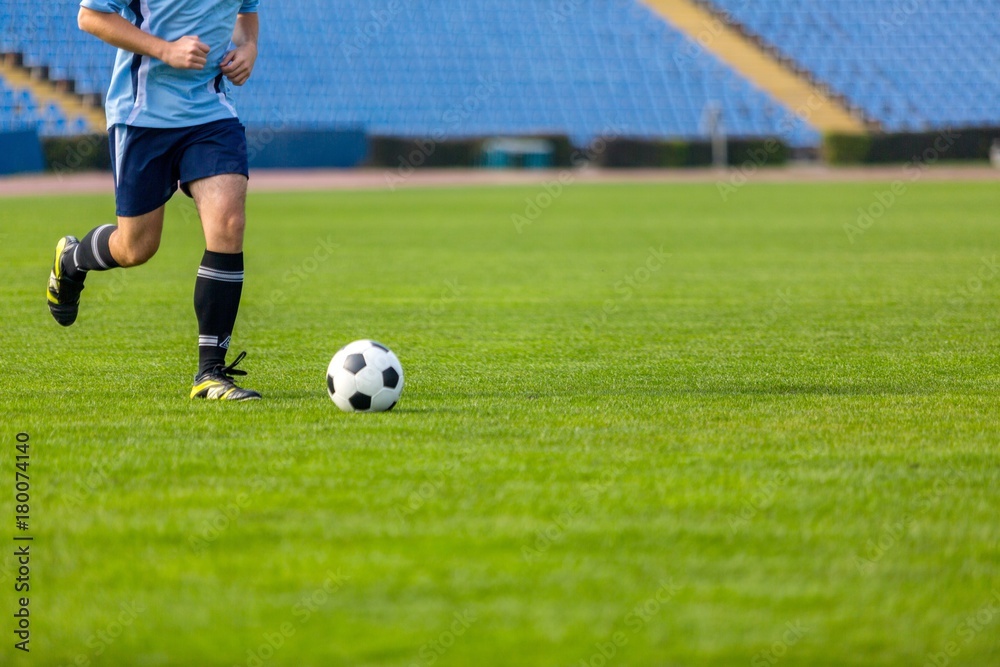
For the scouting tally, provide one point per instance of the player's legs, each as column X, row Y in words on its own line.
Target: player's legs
column 221, row 202
column 136, row 239
column 219, row 287
column 129, row 243
column 145, row 178
column 213, row 171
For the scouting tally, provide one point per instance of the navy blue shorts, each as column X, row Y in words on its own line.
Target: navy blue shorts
column 149, row 162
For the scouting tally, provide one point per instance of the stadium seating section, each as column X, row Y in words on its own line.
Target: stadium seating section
column 911, row 65
column 461, row 68
column 19, row 111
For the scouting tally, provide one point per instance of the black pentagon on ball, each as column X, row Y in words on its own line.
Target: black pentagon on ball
column 360, row 401
column 390, row 378
column 329, row 385
column 380, row 346
column 354, row 362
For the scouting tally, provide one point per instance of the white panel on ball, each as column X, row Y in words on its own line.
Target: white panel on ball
column 369, row 380
column 371, row 383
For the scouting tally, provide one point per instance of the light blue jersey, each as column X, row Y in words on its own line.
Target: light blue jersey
column 146, row 92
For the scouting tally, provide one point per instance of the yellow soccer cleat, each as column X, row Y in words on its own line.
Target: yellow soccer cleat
column 217, row 384
column 63, row 293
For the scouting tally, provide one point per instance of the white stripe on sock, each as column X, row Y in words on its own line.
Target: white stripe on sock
column 223, row 276
column 76, row 260
column 94, row 245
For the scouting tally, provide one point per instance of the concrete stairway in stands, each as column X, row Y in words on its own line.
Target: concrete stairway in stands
column 812, row 104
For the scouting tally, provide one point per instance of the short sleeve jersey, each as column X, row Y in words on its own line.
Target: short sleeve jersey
column 146, row 92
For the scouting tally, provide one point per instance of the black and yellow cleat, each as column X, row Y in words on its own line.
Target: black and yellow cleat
column 63, row 292
column 217, row 384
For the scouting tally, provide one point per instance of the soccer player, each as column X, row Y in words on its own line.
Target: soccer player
column 170, row 123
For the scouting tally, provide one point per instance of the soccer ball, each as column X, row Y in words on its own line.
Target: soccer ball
column 365, row 376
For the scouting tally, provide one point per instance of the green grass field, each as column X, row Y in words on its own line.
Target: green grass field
column 651, row 424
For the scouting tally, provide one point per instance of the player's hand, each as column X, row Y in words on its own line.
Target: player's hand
column 188, row 52
column 238, row 63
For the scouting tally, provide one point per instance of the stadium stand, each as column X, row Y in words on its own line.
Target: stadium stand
column 45, row 35
column 467, row 68
column 911, row 66
column 470, row 68
column 760, row 66
column 18, row 110
column 459, row 68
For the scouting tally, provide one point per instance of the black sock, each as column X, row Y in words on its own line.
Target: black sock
column 216, row 301
column 93, row 253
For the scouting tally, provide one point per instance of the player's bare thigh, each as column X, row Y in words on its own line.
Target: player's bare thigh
column 137, row 239
column 221, row 202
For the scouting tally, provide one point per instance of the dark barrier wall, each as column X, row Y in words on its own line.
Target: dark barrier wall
column 927, row 147
column 303, row 149
column 20, row 152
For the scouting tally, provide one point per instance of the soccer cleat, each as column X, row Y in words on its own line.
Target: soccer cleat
column 63, row 292
column 217, row 384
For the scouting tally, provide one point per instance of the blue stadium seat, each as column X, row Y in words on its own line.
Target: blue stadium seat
column 603, row 64
column 911, row 66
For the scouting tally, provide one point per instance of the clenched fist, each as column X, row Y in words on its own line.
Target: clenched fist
column 238, row 63
column 188, row 52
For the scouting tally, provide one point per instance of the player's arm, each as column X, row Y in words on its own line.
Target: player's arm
column 188, row 52
column 237, row 64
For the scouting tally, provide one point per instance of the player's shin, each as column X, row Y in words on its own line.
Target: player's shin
column 92, row 254
column 217, row 295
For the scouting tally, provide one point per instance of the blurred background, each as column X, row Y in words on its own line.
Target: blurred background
column 542, row 83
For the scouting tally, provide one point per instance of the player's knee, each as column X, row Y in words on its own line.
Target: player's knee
column 235, row 226
column 231, row 228
column 139, row 252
